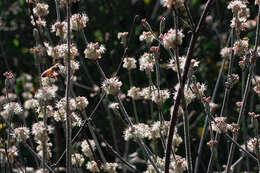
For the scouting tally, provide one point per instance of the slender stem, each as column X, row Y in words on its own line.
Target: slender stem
column 44, row 147
column 100, row 70
column 133, row 99
column 57, row 9
column 67, row 95
column 181, row 88
column 8, row 160
column 97, row 143
column 189, row 15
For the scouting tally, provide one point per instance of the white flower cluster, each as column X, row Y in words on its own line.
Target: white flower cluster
column 241, row 46
column 134, row 93
column 148, row 37
column 40, row 132
column 129, row 63
column 252, row 145
column 41, row 9
column 78, row 21
column 188, row 94
column 94, row 51
column 31, row 104
column 178, row 165
column 140, row 130
column 112, row 85
column 21, row 134
column 159, row 97
column 219, row 124
column 172, row 64
column 77, row 159
column 240, row 15
column 122, row 36
column 226, row 52
column 170, row 3
column 110, row 167
column 85, row 148
column 154, row 131
column 92, row 166
column 60, row 29
column 172, row 39
column 46, row 93
column 147, row 61
column 63, row 51
column 12, row 152
column 13, row 108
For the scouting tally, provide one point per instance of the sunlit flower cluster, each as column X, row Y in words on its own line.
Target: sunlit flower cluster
column 78, row 21
column 148, row 37
column 112, row 86
column 172, row 39
column 147, row 62
column 219, row 124
column 129, row 63
column 94, row 51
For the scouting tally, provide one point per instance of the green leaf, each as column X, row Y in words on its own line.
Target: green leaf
column 16, row 42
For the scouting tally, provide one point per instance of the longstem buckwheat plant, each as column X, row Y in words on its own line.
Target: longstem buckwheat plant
column 133, row 104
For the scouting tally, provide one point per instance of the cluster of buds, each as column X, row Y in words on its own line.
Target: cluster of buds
column 231, row 80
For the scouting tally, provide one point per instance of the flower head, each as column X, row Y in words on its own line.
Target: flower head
column 94, row 51
column 78, row 21
column 129, row 63
column 112, row 86
column 172, row 39
column 147, row 61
